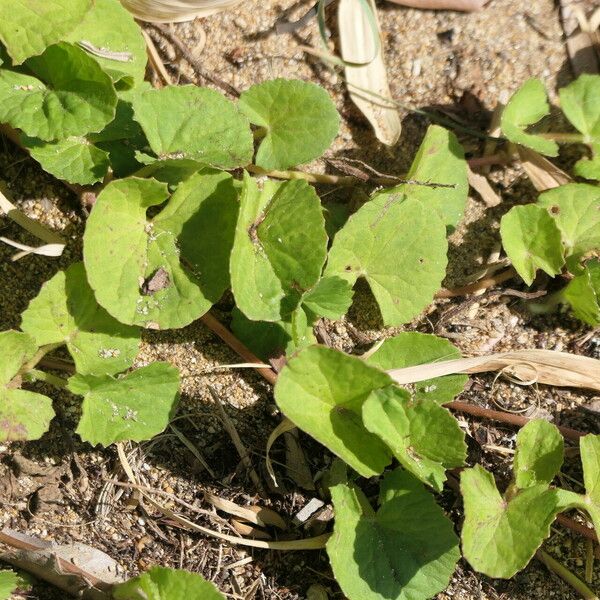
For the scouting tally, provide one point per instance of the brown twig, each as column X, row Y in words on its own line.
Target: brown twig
column 577, row 527
column 503, row 417
column 482, row 284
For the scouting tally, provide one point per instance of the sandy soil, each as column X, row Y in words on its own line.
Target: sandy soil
column 466, row 62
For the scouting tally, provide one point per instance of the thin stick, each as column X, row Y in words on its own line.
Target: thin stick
column 510, row 418
column 155, row 60
column 237, row 442
column 482, row 284
column 567, row 576
column 184, row 440
column 219, row 329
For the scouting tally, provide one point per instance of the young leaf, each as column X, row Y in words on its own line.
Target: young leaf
column 411, row 348
column 532, row 241
column 160, row 583
column 583, row 294
column 299, row 117
column 440, row 159
column 73, row 159
column 322, row 391
column 267, row 339
column 331, row 297
column 589, row 168
column 526, row 107
column 23, row 415
column 579, row 102
column 407, row 550
column 8, row 584
column 171, row 170
column 399, row 246
column 161, row 272
column 424, row 437
column 196, row 123
column 575, row 208
column 539, row 454
column 66, row 311
column 499, row 535
column 109, row 31
column 280, row 248
column 69, row 95
column 28, row 27
column 134, row 407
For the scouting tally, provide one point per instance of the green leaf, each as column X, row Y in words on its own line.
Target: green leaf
column 579, row 102
column 526, row 107
column 583, row 294
column 23, row 415
column 196, row 123
column 28, row 27
column 407, row 550
column 423, row 436
column 160, row 583
column 500, row 535
column 589, row 446
column 134, row 407
column 171, row 170
column 411, row 348
column 589, row 168
column 399, row 246
column 109, row 27
column 73, row 159
column 69, row 95
column 322, row 391
column 331, row 297
column 66, row 311
column 299, row 117
column 8, row 584
column 279, row 250
column 166, row 271
column 532, row 241
column 575, row 208
column 539, row 455
column 440, row 159
column 266, row 339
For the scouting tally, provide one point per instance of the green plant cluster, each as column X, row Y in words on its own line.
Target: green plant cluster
column 181, row 220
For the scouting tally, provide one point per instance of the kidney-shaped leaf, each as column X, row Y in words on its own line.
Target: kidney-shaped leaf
column 23, row 415
column 197, row 123
column 69, row 95
column 399, row 246
column 299, row 117
column 583, row 294
column 160, row 583
column 28, row 27
column 532, row 241
column 134, row 407
column 166, row 271
column 424, row 437
column 322, row 391
column 579, row 102
column 407, row 550
column 526, row 107
column 66, row 310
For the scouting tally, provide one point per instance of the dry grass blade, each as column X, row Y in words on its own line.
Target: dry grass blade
column 543, row 173
column 188, row 444
column 247, row 530
column 285, row 425
column 581, row 35
column 264, row 517
column 368, row 85
column 175, row 11
column 482, row 186
column 542, row 366
column 462, row 5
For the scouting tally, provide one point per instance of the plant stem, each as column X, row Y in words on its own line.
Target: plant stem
column 563, row 138
column 482, row 284
column 36, row 375
column 577, row 527
column 559, row 569
column 42, row 351
column 499, row 158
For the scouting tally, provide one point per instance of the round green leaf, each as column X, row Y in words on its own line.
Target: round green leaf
column 134, row 407
column 322, row 391
column 196, row 123
column 299, row 117
column 412, row 348
column 331, row 297
column 579, row 102
column 69, row 95
column 28, row 27
column 424, row 437
column 110, row 28
column 8, row 584
column 160, row 583
column 399, row 246
column 526, row 107
column 66, row 311
column 73, row 159
column 166, row 271
column 407, row 550
column 17, row 349
column 532, row 241
column 583, row 294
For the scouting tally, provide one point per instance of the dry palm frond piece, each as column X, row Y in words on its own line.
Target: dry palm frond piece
column 175, row 11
